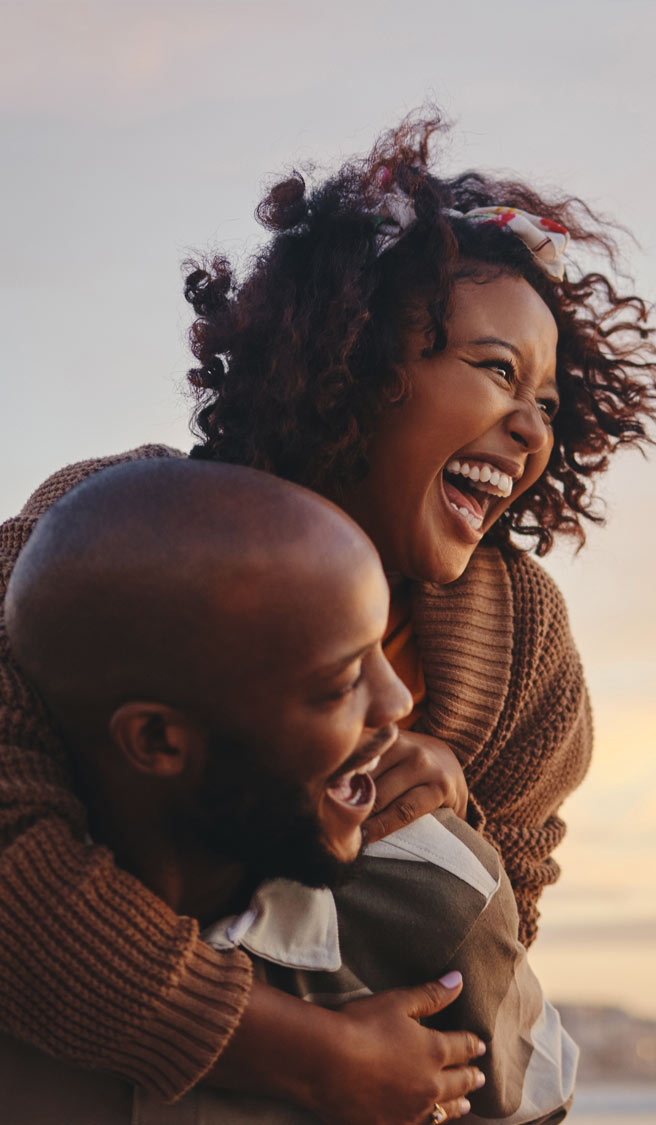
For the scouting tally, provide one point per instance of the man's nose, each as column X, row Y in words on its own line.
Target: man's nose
column 390, row 699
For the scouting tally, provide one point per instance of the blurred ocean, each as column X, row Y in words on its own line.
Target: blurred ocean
column 616, row 1103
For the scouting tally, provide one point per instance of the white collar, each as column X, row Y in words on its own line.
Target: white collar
column 428, row 840
column 286, row 923
column 296, row 926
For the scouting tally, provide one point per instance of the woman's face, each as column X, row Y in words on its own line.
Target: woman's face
column 473, row 434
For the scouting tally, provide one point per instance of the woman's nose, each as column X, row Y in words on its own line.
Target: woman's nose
column 527, row 426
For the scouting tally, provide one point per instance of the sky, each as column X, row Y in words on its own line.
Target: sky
column 134, row 134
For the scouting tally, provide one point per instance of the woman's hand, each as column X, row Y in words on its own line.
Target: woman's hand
column 370, row 1063
column 418, row 775
column 402, row 1069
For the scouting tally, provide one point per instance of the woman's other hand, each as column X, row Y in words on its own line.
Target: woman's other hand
column 406, row 1069
column 370, row 1063
column 416, row 776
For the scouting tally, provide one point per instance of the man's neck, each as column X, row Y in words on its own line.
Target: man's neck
column 191, row 879
column 205, row 887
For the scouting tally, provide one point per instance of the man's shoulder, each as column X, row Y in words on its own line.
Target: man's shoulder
column 446, row 843
column 418, row 895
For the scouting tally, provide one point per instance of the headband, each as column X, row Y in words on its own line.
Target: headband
column 545, row 239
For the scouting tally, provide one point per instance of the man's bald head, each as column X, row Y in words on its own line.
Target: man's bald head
column 156, row 579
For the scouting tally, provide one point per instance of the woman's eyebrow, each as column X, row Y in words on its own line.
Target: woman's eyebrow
column 484, row 340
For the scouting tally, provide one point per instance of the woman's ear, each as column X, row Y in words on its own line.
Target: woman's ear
column 158, row 740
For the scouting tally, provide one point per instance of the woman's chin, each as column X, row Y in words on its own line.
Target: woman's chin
column 443, row 566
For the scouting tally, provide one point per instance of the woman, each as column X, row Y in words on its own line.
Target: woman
column 412, row 347
column 319, row 341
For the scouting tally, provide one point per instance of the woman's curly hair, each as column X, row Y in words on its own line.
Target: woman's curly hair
column 299, row 360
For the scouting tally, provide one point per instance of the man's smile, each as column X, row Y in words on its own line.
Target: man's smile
column 351, row 787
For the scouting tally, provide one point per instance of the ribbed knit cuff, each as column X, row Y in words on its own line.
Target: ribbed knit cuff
column 191, row 1026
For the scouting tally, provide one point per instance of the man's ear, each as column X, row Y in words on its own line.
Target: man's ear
column 158, row 740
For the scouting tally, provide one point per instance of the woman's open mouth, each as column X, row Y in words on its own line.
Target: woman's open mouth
column 471, row 488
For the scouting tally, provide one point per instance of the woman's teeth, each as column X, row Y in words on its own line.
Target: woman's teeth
column 472, row 520
column 485, row 476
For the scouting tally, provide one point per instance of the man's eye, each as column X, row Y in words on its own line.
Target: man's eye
column 340, row 692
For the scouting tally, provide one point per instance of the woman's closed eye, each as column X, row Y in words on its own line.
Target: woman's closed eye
column 503, row 367
column 548, row 407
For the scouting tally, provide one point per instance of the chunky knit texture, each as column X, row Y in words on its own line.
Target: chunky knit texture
column 505, row 690
column 93, row 967
column 96, row 969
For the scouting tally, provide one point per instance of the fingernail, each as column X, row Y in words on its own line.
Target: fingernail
column 481, row 1049
column 451, row 980
column 480, row 1080
column 464, row 1106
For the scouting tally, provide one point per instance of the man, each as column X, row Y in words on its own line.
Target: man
column 213, row 658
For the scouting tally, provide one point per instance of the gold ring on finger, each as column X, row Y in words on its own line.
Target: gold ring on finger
column 439, row 1113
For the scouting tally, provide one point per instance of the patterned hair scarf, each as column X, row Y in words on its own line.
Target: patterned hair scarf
column 545, row 239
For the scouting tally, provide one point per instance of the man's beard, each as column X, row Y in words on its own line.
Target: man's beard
column 250, row 815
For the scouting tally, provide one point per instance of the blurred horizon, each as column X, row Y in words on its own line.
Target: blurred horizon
column 137, row 133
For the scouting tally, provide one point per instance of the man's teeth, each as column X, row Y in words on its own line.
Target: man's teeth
column 344, row 787
column 368, row 767
column 485, row 476
column 474, row 521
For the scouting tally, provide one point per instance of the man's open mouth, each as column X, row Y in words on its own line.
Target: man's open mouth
column 471, row 487
column 355, row 788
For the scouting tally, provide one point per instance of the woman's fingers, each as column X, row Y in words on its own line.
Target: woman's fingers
column 450, row 1048
column 403, row 776
column 452, row 1110
column 458, row 1083
column 396, row 806
column 426, row 999
column 402, row 1068
column 402, row 811
column 416, row 776
column 444, row 787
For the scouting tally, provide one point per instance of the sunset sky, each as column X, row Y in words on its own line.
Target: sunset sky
column 136, row 132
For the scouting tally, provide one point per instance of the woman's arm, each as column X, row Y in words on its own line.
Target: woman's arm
column 93, row 967
column 505, row 690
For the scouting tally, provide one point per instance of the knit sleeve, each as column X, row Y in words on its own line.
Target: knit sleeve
column 544, row 742
column 505, row 689
column 94, row 968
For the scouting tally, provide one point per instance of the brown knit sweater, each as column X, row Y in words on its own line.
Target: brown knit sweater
column 96, row 969
column 505, row 690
